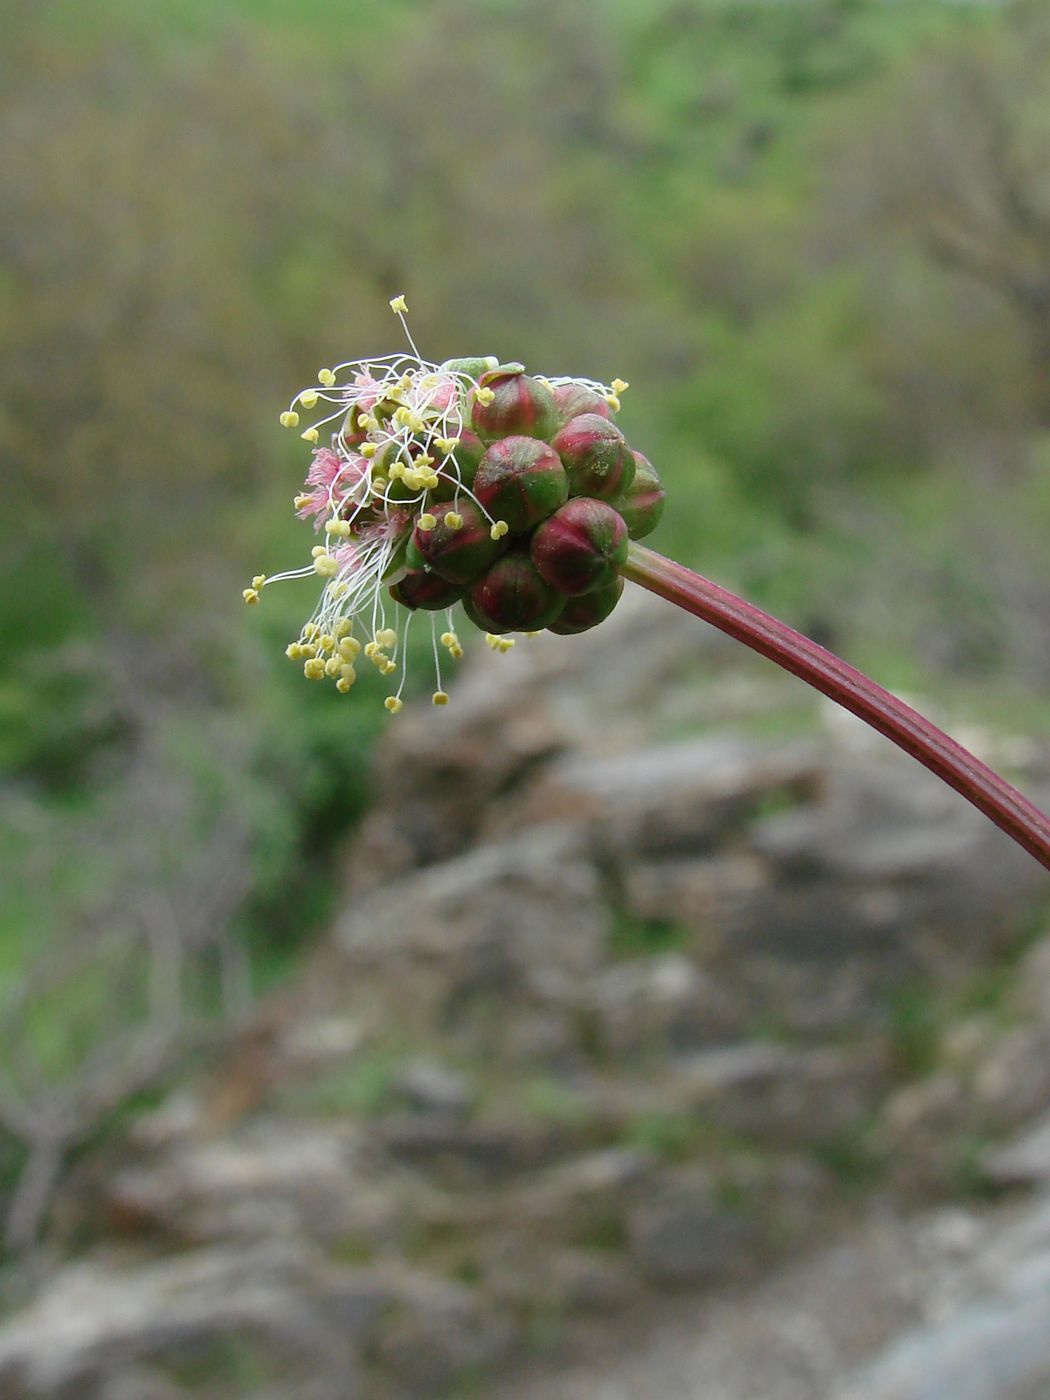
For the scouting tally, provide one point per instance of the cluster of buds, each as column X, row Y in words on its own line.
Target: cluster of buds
column 467, row 482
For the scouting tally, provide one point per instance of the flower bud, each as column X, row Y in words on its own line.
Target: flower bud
column 466, row 455
column 518, row 405
column 457, row 555
column 642, row 504
column 583, row 613
column 573, row 399
column 521, row 481
column 581, row 547
column 428, row 591
column 512, row 597
column 596, row 457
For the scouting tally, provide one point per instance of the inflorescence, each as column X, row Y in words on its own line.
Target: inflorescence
column 463, row 482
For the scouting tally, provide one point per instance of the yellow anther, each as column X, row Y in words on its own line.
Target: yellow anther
column 439, row 698
column 446, row 445
column 367, row 449
column 387, row 668
column 395, row 471
column 325, row 565
column 311, row 629
column 313, row 669
column 325, row 377
column 250, row 595
column 379, row 484
column 326, row 641
column 317, row 551
column 308, row 398
column 427, row 521
column 337, row 589
column 349, row 648
column 301, row 501
column 411, row 478
column 424, row 460
column 619, row 385
column 428, row 480
column 337, row 527
column 504, row 644
column 456, row 652
column 293, row 651
column 289, row 418
column 307, row 650
column 402, row 415
column 398, row 305
column 485, row 397
column 448, row 639
column 311, row 435
column 347, row 673
column 491, row 641
column 258, row 580
column 341, row 628
column 613, row 402
column 454, row 520
column 343, row 685
column 387, row 637
column 499, row 529
column 370, row 649
column 416, row 422
column 332, row 667
column 393, row 704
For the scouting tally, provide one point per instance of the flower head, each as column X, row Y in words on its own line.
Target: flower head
column 427, row 482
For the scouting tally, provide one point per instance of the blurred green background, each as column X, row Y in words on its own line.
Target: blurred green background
column 815, row 237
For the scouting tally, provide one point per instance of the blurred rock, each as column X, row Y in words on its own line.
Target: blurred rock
column 1025, row 1161
column 429, row 1087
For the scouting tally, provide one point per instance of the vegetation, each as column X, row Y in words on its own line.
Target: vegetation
column 816, row 238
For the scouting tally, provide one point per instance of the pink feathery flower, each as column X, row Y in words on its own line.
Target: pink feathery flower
column 369, row 391
column 324, row 468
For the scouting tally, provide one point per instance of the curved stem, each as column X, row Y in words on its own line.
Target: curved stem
column 821, row 669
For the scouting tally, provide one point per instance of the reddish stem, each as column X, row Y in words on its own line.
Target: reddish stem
column 989, row 793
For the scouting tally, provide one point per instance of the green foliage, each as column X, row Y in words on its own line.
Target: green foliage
column 915, row 1022
column 633, row 938
column 670, row 1136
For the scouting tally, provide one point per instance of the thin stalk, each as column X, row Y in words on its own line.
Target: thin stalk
column 909, row 730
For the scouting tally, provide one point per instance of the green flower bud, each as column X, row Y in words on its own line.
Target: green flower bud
column 457, row 555
column 642, row 504
column 521, row 481
column 466, row 455
column 583, row 613
column 581, row 547
column 573, row 399
column 429, row 591
column 512, row 597
column 518, row 405
column 596, row 457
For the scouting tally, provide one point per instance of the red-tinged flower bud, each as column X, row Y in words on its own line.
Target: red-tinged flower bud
column 581, row 547
column 642, row 504
column 521, row 481
column 510, row 403
column 573, row 399
column 458, row 555
column 466, row 455
column 512, row 597
column 596, row 457
column 583, row 613
column 428, row 591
